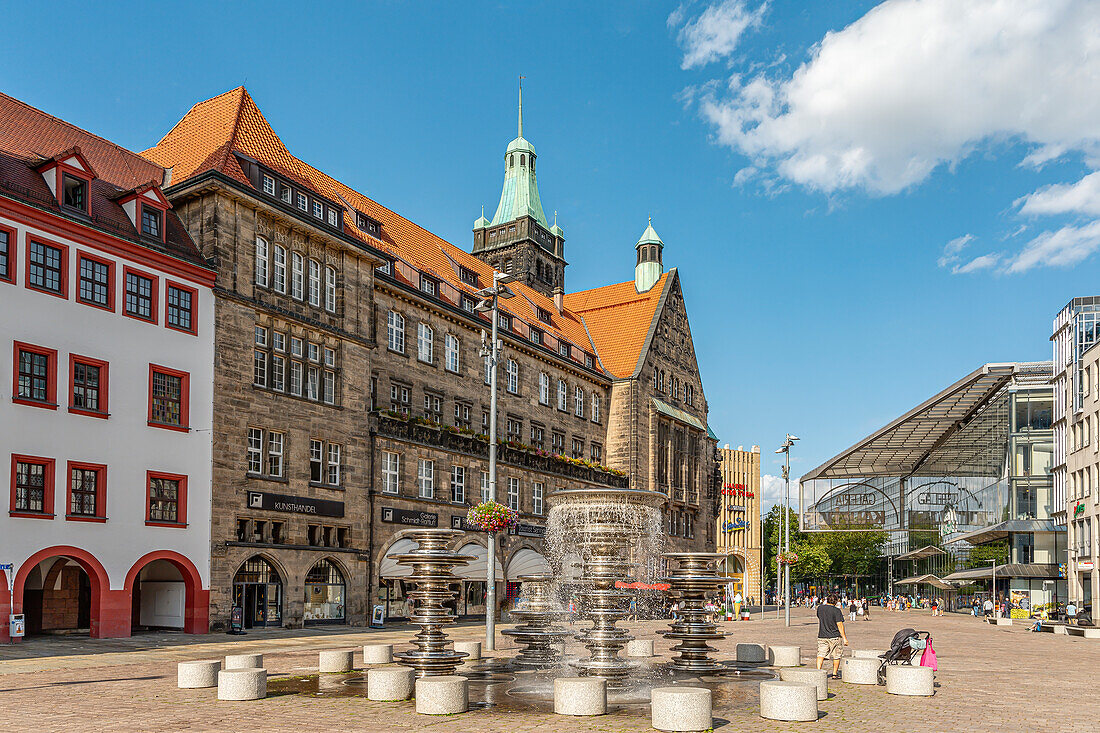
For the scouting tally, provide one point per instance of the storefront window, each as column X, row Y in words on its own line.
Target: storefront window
column 324, row 594
column 258, row 590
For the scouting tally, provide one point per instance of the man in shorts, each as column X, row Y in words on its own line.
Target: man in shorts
column 830, row 633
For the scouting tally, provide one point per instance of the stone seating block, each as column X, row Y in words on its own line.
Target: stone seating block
column 785, row 656
column 901, row 679
column 580, row 695
column 244, row 683
column 1075, row 631
column 377, row 653
column 336, row 661
column 781, row 700
column 859, row 671
column 1091, row 633
column 442, row 695
column 639, row 648
column 867, row 653
column 681, row 708
column 1059, row 629
column 752, row 653
column 244, row 661
column 810, row 676
column 472, row 649
column 1004, row 621
column 199, row 673
column 391, row 683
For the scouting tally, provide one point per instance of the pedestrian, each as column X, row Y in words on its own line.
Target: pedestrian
column 572, row 610
column 866, row 610
column 853, row 605
column 1071, row 613
column 633, row 609
column 987, row 607
column 935, row 605
column 830, row 634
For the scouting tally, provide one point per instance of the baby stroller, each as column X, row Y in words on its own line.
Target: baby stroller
column 906, row 645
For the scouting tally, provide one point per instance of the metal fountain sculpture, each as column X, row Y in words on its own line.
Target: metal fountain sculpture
column 693, row 578
column 537, row 633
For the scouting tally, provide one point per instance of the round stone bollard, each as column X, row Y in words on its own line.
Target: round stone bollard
column 785, row 656
column 244, row 661
column 377, row 653
column 752, row 653
column 639, row 648
column 681, row 709
column 336, row 661
column 580, row 695
column 390, row 684
column 901, row 679
column 472, row 649
column 199, row 673
column 867, row 653
column 242, row 684
column 859, row 671
column 788, row 700
column 442, row 695
column 810, row 676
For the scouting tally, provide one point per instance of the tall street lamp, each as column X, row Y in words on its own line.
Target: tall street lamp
column 785, row 449
column 491, row 351
column 993, row 589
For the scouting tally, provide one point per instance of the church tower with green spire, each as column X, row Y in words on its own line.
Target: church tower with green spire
column 518, row 240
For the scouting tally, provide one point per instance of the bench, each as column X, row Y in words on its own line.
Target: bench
column 1088, row 632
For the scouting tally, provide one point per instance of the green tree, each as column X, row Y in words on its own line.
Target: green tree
column 813, row 560
column 980, row 555
column 773, row 538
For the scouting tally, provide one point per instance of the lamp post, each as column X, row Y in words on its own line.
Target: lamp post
column 993, row 589
column 491, row 351
column 785, row 449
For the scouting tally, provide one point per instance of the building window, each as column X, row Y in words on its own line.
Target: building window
column 318, row 210
column 88, row 385
column 514, row 429
column 391, row 477
column 563, row 396
column 513, row 376
column 275, row 442
column 167, row 499
column 278, row 269
column 313, row 382
column 140, row 296
column 332, row 467
column 468, row 304
column 563, row 349
column 543, row 314
column 74, row 193
column 333, row 217
column 557, row 443
column 484, row 486
column 328, row 387
column 544, row 388
column 46, row 267
column 504, row 321
column 536, row 497
column 297, row 276
column 150, row 221
column 399, row 399
column 589, row 361
column 181, row 308
column 427, row 285
column 595, row 408
column 296, row 378
column 315, row 283
column 513, row 493
column 458, row 484
column 578, row 448
column 395, row 332
column 261, row 262
column 269, row 185
column 597, row 452
column 538, row 436
column 259, row 368
column 450, row 346
column 7, row 250
column 488, row 371
column 578, row 402
column 168, row 397
column 536, row 336
column 286, row 194
column 87, row 490
column 330, row 289
column 36, row 376
column 96, row 281
column 303, row 202
column 426, row 479
column 255, row 451
column 32, row 485
column 425, row 343
column 316, row 461
column 462, row 415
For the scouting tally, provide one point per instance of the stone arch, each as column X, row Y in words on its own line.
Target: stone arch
column 109, row 611
column 196, row 618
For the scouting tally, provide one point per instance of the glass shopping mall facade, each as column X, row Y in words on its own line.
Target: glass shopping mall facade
column 969, row 466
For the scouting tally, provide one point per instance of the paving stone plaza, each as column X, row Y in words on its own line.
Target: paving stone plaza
column 990, row 679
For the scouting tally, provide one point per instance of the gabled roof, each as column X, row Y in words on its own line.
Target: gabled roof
column 213, row 131
column 619, row 319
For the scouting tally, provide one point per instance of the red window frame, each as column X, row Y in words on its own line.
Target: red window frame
column 154, row 294
column 47, row 489
column 185, row 398
column 64, row 294
column 181, row 499
column 104, row 385
column 83, row 255
column 51, row 376
column 13, row 251
column 100, row 492
column 194, row 330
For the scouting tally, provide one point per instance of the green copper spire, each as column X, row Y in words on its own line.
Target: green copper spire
column 520, row 194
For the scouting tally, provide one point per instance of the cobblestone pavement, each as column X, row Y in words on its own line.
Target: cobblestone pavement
column 990, row 679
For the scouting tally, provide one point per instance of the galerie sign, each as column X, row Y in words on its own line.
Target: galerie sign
column 295, row 504
column 415, row 519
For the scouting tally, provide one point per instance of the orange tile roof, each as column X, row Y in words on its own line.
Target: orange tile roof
column 212, row 130
column 619, row 319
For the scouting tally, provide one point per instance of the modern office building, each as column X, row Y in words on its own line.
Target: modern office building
column 971, row 465
column 738, row 520
column 106, row 368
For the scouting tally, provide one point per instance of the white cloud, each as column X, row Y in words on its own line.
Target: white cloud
column 715, row 33
column 952, row 249
column 982, row 262
column 772, row 489
column 1082, row 197
column 1061, row 248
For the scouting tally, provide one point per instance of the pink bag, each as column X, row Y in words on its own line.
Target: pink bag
column 928, row 659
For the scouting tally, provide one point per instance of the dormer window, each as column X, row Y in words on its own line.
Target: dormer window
column 333, row 218
column 468, row 276
column 589, row 361
column 151, row 222
column 385, row 269
column 544, row 315
column 504, row 321
column 536, row 336
column 286, row 194
column 303, row 202
column 74, row 193
column 269, row 185
column 427, row 285
column 468, row 304
column 318, row 210
column 563, row 348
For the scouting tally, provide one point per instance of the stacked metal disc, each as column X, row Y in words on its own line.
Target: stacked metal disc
column 537, row 633
column 434, row 582
column 693, row 579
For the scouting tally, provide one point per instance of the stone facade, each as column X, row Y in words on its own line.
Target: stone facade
column 738, row 521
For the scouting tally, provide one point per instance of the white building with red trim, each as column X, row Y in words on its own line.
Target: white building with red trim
column 106, row 388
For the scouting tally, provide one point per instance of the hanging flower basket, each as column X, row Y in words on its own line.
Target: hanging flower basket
column 489, row 516
column 788, row 558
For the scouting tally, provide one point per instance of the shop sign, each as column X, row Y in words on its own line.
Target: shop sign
column 9, row 573
column 1085, row 565
column 404, row 516
column 458, row 521
column 378, row 616
column 1079, row 509
column 295, row 504
column 527, row 530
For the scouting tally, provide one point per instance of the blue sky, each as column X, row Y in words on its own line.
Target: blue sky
column 806, row 164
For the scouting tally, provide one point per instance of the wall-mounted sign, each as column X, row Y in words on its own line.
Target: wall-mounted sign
column 855, row 499
column 527, row 530
column 1079, row 509
column 1085, row 564
column 295, row 504
column 404, row 516
column 458, row 521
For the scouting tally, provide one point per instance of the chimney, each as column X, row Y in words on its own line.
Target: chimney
column 559, row 299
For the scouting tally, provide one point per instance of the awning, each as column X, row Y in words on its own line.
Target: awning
column 476, row 569
column 1011, row 570
column 926, row 551
column 388, row 567
column 527, row 562
column 677, row 414
column 1004, row 529
column 928, row 579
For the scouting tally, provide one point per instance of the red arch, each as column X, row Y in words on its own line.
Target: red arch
column 5, row 608
column 196, row 615
column 109, row 609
